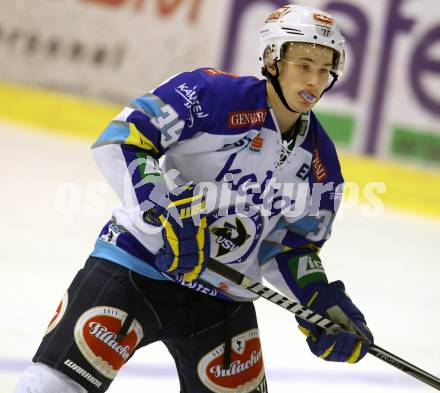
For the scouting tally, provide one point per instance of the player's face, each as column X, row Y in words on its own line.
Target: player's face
column 304, row 74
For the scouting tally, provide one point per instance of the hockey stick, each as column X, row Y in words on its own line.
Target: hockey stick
column 316, row 319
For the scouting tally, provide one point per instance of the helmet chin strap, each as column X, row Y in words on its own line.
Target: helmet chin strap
column 335, row 78
column 276, row 85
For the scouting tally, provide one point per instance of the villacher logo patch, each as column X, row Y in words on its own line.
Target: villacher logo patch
column 246, row 372
column 95, row 335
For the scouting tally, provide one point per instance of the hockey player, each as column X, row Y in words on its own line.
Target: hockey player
column 247, row 176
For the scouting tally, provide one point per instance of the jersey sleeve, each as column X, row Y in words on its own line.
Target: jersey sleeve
column 128, row 150
column 289, row 255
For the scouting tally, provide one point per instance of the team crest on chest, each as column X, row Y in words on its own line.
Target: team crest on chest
column 235, row 231
column 230, row 236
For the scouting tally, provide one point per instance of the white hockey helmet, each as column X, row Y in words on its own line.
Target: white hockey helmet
column 294, row 23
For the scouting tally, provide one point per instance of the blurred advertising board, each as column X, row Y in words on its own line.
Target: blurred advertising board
column 387, row 103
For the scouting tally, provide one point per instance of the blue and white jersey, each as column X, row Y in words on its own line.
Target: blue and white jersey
column 269, row 203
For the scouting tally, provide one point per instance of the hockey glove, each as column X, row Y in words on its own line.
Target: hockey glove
column 181, row 215
column 348, row 345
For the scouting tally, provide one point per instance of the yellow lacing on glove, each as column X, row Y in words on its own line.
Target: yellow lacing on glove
column 172, row 240
column 328, row 351
column 305, row 331
column 200, row 237
column 354, row 357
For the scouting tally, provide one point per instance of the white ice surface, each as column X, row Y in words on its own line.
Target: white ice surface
column 54, row 202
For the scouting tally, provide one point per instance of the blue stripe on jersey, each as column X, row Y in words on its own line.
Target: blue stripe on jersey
column 148, row 104
column 118, row 255
column 294, row 238
column 268, row 250
column 304, row 226
column 115, row 132
column 134, row 132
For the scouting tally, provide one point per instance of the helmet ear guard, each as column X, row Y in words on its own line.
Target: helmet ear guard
column 268, row 59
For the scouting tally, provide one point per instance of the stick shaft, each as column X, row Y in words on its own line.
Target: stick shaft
column 271, row 295
column 404, row 366
column 316, row 319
